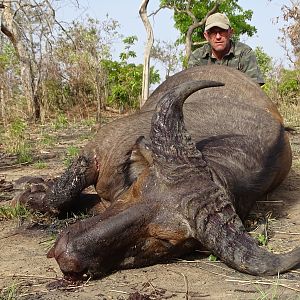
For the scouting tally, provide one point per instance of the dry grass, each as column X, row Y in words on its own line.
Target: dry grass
column 291, row 115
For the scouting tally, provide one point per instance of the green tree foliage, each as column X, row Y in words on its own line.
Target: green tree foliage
column 76, row 75
column 289, row 86
column 264, row 61
column 237, row 15
column 8, row 57
column 84, row 72
column 78, row 72
column 125, row 78
column 282, row 85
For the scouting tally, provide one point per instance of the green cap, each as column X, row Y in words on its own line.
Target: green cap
column 217, row 20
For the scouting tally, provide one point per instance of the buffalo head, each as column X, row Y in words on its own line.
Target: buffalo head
column 172, row 207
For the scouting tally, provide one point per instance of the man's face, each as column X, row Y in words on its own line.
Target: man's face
column 218, row 38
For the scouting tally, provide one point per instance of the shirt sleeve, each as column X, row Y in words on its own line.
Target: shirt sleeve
column 192, row 60
column 196, row 59
column 250, row 67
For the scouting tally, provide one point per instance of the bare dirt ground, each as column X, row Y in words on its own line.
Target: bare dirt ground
column 25, row 268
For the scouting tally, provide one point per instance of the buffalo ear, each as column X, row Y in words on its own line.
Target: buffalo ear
column 140, row 157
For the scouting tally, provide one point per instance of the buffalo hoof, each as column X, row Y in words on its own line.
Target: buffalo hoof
column 32, row 194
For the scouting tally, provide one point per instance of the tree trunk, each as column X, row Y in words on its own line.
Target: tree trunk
column 188, row 41
column 195, row 24
column 148, row 46
column 12, row 31
column 2, row 104
column 99, row 100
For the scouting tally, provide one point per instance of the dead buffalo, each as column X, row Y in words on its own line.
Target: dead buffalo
column 177, row 177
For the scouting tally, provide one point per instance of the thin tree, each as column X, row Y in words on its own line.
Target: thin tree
column 168, row 54
column 11, row 29
column 291, row 31
column 147, row 52
column 28, row 24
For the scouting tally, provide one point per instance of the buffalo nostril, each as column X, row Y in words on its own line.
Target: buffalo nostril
column 74, row 268
column 69, row 264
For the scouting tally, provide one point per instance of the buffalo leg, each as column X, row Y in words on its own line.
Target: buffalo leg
column 60, row 197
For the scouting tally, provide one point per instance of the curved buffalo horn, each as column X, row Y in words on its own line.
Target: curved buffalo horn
column 208, row 207
column 223, row 233
column 169, row 137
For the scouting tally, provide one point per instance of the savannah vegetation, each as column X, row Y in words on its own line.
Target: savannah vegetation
column 57, row 77
column 53, row 74
column 60, row 77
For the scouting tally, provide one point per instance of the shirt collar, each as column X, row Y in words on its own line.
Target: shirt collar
column 208, row 52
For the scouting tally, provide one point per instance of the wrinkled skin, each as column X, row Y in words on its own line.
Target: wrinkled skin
column 191, row 181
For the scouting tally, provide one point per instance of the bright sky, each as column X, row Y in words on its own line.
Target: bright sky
column 265, row 13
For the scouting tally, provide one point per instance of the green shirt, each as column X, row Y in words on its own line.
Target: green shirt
column 240, row 56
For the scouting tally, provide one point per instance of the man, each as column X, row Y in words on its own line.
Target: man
column 222, row 50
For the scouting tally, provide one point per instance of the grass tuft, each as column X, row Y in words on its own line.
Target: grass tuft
column 270, row 294
column 19, row 212
column 40, row 165
column 72, row 152
column 9, row 293
column 16, row 141
column 61, row 122
column 49, row 243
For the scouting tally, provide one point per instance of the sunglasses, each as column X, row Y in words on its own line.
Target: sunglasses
column 220, row 31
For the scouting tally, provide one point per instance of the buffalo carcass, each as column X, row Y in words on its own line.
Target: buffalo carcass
column 176, row 178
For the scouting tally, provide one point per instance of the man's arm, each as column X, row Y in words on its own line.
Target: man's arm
column 250, row 67
column 194, row 59
column 197, row 59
